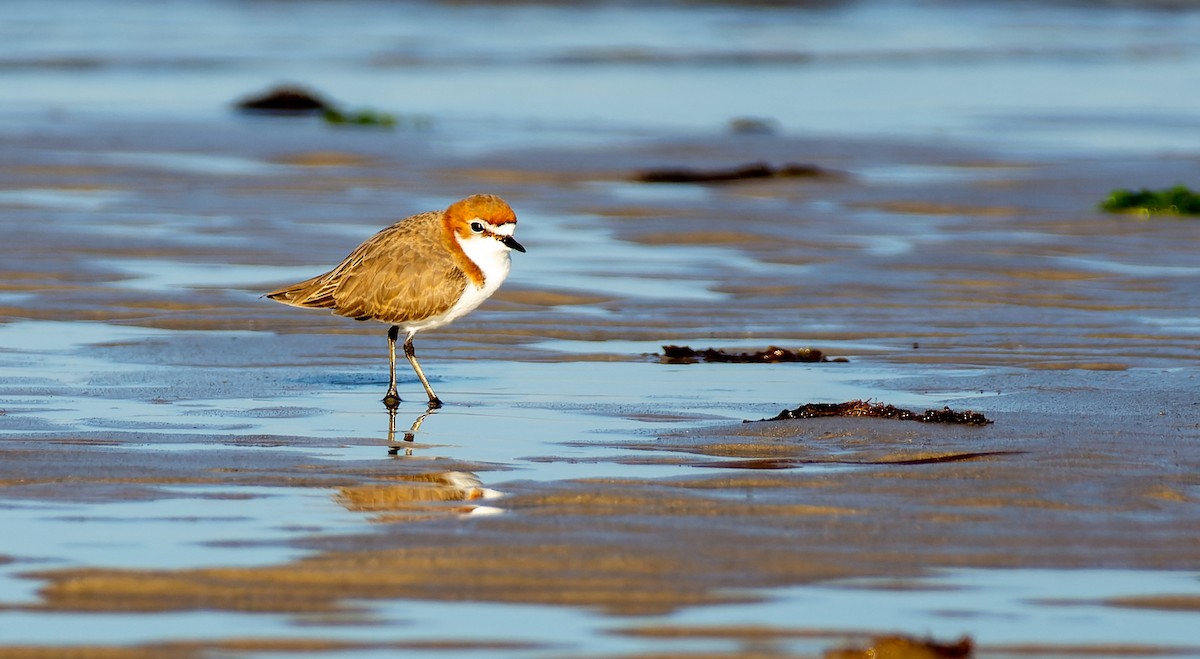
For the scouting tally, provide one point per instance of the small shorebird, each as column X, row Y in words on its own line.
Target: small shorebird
column 420, row 273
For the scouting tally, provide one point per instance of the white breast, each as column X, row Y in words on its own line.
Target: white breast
column 492, row 258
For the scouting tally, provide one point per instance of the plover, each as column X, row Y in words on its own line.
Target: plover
column 420, row 273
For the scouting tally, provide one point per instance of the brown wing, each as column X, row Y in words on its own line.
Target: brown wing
column 401, row 274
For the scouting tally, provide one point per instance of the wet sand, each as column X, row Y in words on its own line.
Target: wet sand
column 570, row 469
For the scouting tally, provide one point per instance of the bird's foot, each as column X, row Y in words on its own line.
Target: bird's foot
column 391, row 399
column 435, row 403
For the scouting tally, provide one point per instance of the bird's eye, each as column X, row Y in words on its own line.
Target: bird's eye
column 477, row 227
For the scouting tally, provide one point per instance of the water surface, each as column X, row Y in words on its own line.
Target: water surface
column 162, row 423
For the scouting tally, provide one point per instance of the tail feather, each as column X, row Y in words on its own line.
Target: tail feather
column 310, row 293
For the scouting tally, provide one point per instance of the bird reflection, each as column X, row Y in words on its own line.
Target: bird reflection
column 419, row 496
column 410, row 435
column 413, row 495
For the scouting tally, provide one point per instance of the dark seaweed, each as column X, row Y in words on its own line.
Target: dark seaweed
column 752, row 171
column 864, row 408
column 772, row 355
column 285, row 101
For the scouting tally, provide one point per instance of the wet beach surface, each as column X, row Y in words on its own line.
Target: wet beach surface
column 189, row 469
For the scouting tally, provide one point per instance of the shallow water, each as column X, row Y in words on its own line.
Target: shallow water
column 1045, row 74
column 160, row 422
column 1002, row 607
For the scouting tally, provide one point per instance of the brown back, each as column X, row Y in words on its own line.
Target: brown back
column 402, row 274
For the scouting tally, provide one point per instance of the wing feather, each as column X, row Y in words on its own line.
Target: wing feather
column 401, row 274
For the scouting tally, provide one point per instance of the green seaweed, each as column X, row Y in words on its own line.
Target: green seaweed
column 359, row 118
column 1178, row 200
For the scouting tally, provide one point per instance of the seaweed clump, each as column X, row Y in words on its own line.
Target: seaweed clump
column 864, row 408
column 1177, row 200
column 752, row 171
column 772, row 355
column 285, row 100
column 293, row 101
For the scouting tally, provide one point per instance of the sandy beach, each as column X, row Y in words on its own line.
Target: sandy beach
column 191, row 470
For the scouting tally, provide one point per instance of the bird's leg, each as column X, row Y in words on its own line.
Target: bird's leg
column 392, row 398
column 434, row 402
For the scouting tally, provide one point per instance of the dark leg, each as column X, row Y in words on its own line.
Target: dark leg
column 434, row 403
column 392, row 398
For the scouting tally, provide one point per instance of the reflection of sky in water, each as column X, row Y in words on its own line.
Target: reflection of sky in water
column 621, row 268
column 993, row 606
column 530, row 417
column 184, row 529
column 191, row 163
column 529, row 420
column 165, row 274
column 70, row 200
column 1137, row 269
column 518, row 421
column 1048, row 75
column 613, row 267
column 392, row 621
column 50, row 336
column 188, row 527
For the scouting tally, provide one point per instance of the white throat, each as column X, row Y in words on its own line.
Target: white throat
column 491, row 256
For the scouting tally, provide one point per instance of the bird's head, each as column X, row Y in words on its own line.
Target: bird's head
column 483, row 222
